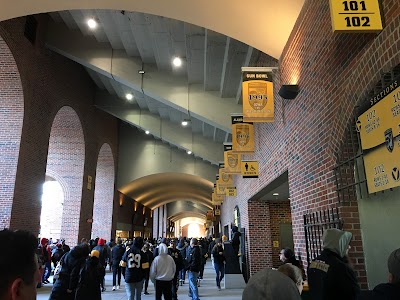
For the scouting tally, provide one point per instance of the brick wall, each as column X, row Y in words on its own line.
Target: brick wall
column 279, row 214
column 50, row 82
column 103, row 194
column 65, row 161
column 11, row 116
column 334, row 72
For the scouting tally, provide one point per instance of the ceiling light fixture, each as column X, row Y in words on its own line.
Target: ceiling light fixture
column 177, row 61
column 92, row 23
column 129, row 96
column 141, row 72
column 185, row 122
column 275, row 194
column 147, row 132
column 189, row 152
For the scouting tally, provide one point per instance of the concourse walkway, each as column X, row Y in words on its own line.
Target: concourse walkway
column 207, row 290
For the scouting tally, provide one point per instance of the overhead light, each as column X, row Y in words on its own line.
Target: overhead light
column 129, row 96
column 189, row 152
column 141, row 71
column 147, row 132
column 275, row 194
column 177, row 61
column 185, row 122
column 92, row 23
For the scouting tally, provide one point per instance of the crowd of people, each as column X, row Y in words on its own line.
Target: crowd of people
column 79, row 272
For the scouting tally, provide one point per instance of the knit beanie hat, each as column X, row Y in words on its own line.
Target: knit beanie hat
column 101, row 242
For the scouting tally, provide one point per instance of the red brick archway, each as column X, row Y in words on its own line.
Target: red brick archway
column 65, row 162
column 103, row 194
column 11, row 118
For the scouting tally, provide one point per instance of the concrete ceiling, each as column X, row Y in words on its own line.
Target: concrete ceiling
column 146, row 35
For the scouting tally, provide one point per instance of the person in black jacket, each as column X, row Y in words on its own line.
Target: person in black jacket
column 330, row 276
column 219, row 262
column 287, row 256
column 390, row 290
column 236, row 239
column 135, row 261
column 90, row 277
column 182, row 246
column 116, row 255
column 149, row 258
column 66, row 284
column 194, row 265
column 176, row 255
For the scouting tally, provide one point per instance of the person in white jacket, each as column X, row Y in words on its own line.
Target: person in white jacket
column 162, row 272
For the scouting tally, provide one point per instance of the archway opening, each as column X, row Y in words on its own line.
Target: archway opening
column 194, row 230
column 52, row 209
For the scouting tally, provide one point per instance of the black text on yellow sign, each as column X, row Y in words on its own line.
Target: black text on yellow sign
column 356, row 15
column 230, row 191
column 250, row 168
column 382, row 167
column 258, row 97
column 381, row 123
column 242, row 135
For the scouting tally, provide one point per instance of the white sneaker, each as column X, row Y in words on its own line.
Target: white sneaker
column 113, row 288
column 117, row 287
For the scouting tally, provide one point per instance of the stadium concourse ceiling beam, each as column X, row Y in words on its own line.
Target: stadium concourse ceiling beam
column 263, row 24
column 163, row 188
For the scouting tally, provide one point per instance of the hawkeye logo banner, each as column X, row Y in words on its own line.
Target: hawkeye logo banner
column 231, row 160
column 382, row 166
column 242, row 136
column 258, row 97
column 217, row 199
column 225, row 179
column 381, row 123
column 250, row 169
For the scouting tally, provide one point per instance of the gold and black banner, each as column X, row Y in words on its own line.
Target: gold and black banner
column 225, row 179
column 258, row 96
column 231, row 160
column 217, row 199
column 242, row 135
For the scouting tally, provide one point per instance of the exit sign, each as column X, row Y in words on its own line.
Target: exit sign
column 356, row 16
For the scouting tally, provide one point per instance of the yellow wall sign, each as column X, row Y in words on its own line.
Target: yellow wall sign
column 356, row 16
column 231, row 191
column 381, row 123
column 382, row 167
column 258, row 96
column 250, row 168
column 242, row 135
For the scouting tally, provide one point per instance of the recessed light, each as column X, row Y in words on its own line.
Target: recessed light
column 141, row 71
column 189, row 152
column 184, row 123
column 92, row 23
column 129, row 96
column 147, row 132
column 275, row 194
column 177, row 62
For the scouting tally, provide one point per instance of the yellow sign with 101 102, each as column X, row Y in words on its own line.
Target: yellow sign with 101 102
column 356, row 16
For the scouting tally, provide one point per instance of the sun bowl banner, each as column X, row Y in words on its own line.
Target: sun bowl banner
column 242, row 135
column 232, row 161
column 258, row 95
column 225, row 179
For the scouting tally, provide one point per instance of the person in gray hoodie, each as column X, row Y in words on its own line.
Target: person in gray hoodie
column 330, row 275
column 162, row 272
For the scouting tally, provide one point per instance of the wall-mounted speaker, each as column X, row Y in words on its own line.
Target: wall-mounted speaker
column 289, row 91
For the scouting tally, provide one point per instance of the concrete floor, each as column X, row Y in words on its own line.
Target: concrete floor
column 207, row 290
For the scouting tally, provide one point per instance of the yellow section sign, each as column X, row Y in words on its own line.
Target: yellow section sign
column 258, row 96
column 382, row 167
column 250, row 168
column 231, row 191
column 381, row 123
column 356, row 16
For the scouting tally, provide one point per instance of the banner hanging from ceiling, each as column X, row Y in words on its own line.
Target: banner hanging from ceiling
column 225, row 179
column 242, row 135
column 231, row 160
column 258, row 94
